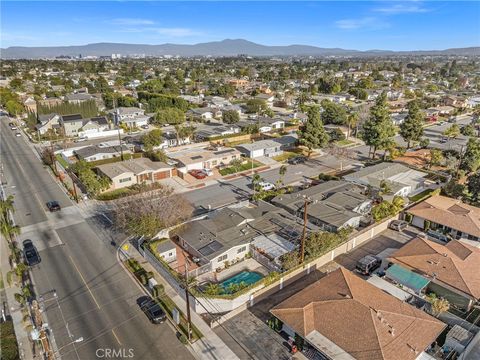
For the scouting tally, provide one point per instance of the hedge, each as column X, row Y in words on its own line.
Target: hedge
column 8, row 341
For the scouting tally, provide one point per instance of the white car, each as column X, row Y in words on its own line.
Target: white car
column 18, row 134
column 80, row 139
column 208, row 172
column 266, row 186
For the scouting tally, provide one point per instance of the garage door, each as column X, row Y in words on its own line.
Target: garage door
column 418, row 222
column 162, row 175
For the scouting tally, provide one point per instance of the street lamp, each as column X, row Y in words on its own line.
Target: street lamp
column 80, row 339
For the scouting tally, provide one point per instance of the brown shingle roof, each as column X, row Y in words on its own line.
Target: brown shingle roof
column 449, row 212
column 455, row 264
column 359, row 318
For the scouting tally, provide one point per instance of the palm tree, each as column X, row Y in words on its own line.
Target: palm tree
column 256, row 178
column 8, row 230
column 7, row 204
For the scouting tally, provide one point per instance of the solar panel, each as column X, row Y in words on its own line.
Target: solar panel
column 210, row 248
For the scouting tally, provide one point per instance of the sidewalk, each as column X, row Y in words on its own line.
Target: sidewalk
column 210, row 346
column 24, row 343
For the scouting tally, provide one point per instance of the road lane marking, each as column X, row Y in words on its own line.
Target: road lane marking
column 116, row 337
column 83, row 279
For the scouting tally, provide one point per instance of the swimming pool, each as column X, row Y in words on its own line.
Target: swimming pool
column 247, row 277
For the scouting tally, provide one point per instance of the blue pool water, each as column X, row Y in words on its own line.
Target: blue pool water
column 248, row 277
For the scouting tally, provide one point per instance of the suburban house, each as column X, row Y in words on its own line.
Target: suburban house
column 71, row 124
column 400, row 179
column 99, row 152
column 30, row 105
column 209, row 131
column 341, row 316
column 48, row 122
column 205, row 113
column 332, row 205
column 451, row 270
column 229, row 234
column 268, row 98
column 135, row 171
column 94, row 125
column 267, row 124
column 78, row 98
column 196, row 159
column 448, row 215
column 167, row 250
column 131, row 116
column 269, row 147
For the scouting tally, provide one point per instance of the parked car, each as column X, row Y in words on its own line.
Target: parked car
column 18, row 134
column 208, row 172
column 435, row 235
column 297, row 160
column 144, row 127
column 368, row 264
column 266, row 186
column 198, row 174
column 13, row 127
column 30, row 253
column 398, row 225
column 152, row 309
column 53, row 206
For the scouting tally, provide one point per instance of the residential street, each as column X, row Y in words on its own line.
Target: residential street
column 96, row 299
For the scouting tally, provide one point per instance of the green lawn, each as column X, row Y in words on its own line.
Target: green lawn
column 345, row 142
column 421, row 195
column 62, row 161
column 287, row 155
column 248, row 165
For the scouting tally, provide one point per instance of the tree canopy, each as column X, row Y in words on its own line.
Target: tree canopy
column 378, row 129
column 412, row 127
column 230, row 116
column 169, row 116
column 333, row 113
column 312, row 134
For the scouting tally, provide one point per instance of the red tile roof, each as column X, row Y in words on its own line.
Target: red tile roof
column 359, row 318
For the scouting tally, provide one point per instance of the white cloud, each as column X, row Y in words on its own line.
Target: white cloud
column 402, row 9
column 131, row 21
column 371, row 23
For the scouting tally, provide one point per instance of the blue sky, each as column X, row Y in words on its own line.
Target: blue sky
column 362, row 25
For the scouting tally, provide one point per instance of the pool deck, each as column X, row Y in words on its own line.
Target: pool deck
column 245, row 265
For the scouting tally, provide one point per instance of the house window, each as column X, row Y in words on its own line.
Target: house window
column 170, row 254
column 242, row 249
column 222, row 258
column 125, row 180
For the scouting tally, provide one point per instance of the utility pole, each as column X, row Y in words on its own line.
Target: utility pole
column 54, row 161
column 302, row 243
column 187, row 297
column 115, row 112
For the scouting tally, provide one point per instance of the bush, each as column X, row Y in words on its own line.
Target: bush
column 326, row 177
column 158, row 291
column 8, row 341
column 408, row 218
column 426, row 225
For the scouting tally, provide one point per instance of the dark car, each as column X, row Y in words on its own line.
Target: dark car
column 30, row 253
column 297, row 160
column 368, row 264
column 53, row 206
column 152, row 309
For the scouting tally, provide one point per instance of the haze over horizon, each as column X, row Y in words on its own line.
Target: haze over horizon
column 385, row 25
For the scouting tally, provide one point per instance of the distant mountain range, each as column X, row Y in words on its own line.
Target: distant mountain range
column 226, row 47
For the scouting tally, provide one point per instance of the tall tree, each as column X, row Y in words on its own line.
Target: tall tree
column 152, row 139
column 333, row 113
column 230, row 116
column 471, row 158
column 352, row 121
column 312, row 134
column 452, row 132
column 412, row 128
column 378, row 129
column 473, row 186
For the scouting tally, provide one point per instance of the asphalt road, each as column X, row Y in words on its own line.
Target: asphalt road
column 96, row 300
